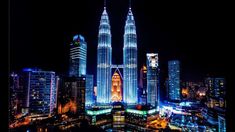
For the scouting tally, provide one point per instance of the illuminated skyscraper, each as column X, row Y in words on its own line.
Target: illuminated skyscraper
column 174, row 80
column 142, row 95
column 14, row 99
column 216, row 92
column 89, row 90
column 152, row 79
column 221, row 123
column 104, row 60
column 130, row 61
column 78, row 56
column 41, row 90
column 116, row 87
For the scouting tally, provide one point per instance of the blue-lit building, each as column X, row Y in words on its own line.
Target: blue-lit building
column 152, row 79
column 104, row 60
column 221, row 123
column 142, row 92
column 78, row 57
column 41, row 90
column 130, row 94
column 174, row 80
column 89, row 99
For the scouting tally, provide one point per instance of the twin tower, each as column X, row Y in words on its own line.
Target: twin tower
column 104, row 61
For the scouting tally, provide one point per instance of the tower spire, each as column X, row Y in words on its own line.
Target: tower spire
column 104, row 4
column 129, row 4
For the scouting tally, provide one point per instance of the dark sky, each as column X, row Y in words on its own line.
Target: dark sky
column 40, row 33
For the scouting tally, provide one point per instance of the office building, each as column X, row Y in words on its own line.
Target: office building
column 142, row 93
column 89, row 90
column 221, row 123
column 216, row 92
column 78, row 57
column 152, row 79
column 37, row 91
column 73, row 95
column 174, row 80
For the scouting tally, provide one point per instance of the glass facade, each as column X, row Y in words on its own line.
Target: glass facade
column 78, row 57
column 142, row 95
column 42, row 91
column 14, row 99
column 130, row 95
column 104, row 60
column 174, row 80
column 89, row 90
column 221, row 124
column 152, row 79
column 216, row 92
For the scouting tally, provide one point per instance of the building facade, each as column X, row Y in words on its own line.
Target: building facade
column 73, row 95
column 216, row 92
column 116, row 87
column 104, row 60
column 130, row 95
column 40, row 90
column 174, row 80
column 152, row 79
column 78, row 57
column 142, row 94
column 14, row 99
column 221, row 123
column 89, row 90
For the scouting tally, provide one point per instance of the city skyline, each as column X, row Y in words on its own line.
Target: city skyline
column 165, row 37
column 142, row 65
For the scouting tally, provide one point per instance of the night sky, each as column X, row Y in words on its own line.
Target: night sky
column 40, row 33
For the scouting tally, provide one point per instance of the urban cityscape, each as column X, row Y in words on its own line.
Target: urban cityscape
column 115, row 96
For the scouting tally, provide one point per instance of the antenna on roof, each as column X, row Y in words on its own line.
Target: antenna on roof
column 104, row 4
column 129, row 4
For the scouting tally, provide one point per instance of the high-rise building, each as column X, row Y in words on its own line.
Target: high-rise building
column 104, row 60
column 142, row 94
column 73, row 95
column 42, row 94
column 166, row 85
column 40, row 91
column 78, row 57
column 221, row 123
column 216, row 92
column 89, row 90
column 219, row 88
column 174, row 80
column 19, row 87
column 116, row 87
column 152, row 79
column 209, row 82
column 14, row 107
column 130, row 95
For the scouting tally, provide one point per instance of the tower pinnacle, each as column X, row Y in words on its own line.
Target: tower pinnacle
column 104, row 4
column 129, row 4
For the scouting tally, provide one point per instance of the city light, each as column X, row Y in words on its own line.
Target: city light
column 136, row 111
column 152, row 111
column 99, row 112
column 117, row 97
